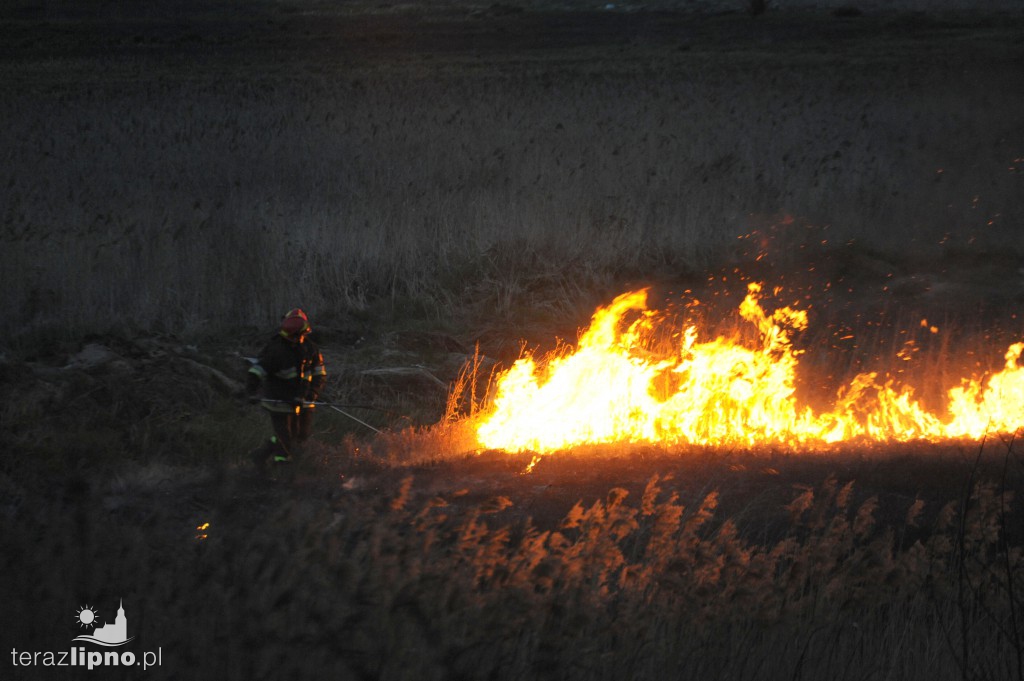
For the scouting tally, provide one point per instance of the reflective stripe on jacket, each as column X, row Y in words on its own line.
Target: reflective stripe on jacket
column 289, row 371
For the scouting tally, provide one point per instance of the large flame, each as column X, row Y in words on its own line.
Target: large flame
column 613, row 388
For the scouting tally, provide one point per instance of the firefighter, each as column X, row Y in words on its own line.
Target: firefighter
column 290, row 370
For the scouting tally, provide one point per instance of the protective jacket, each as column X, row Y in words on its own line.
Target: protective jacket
column 288, row 371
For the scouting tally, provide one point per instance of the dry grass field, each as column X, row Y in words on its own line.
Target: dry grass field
column 723, row 564
column 192, row 177
column 440, row 188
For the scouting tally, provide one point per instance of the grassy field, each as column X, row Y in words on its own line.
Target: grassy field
column 730, row 565
column 438, row 186
column 192, row 179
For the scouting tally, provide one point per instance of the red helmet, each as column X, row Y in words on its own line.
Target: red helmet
column 295, row 324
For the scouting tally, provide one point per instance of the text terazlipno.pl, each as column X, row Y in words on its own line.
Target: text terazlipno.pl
column 90, row 659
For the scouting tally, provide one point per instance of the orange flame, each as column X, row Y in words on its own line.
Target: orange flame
column 719, row 392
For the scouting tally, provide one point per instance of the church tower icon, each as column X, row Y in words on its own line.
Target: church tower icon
column 115, row 634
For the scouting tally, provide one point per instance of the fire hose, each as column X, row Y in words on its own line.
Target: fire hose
column 330, row 405
column 252, row 360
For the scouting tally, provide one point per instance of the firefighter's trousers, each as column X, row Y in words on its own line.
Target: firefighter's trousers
column 290, row 431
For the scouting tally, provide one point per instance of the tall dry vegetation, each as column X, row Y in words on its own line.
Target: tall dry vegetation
column 144, row 194
column 409, row 585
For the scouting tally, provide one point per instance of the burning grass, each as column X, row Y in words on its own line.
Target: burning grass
column 616, row 387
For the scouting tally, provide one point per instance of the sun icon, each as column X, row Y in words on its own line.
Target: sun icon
column 87, row 616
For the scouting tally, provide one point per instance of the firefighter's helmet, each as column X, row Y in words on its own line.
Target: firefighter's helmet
column 295, row 324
